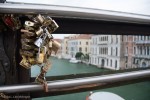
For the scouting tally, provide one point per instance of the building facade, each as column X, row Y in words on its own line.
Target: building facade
column 106, row 51
column 79, row 43
column 141, row 51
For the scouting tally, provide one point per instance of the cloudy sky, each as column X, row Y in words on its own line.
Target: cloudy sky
column 132, row 6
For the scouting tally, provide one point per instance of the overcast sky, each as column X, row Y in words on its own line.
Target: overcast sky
column 132, row 6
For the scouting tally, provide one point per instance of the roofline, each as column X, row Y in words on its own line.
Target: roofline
column 74, row 12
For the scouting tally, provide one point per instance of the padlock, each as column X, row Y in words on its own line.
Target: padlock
column 40, row 18
column 28, row 33
column 27, row 47
column 41, row 55
column 39, row 31
column 54, row 25
column 29, row 23
column 50, row 44
column 47, row 32
column 29, row 28
column 32, row 60
column 40, row 78
column 47, row 66
column 40, row 41
column 28, row 53
column 47, row 21
column 24, row 63
column 27, row 40
column 55, row 46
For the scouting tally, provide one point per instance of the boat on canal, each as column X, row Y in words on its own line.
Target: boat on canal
column 73, row 60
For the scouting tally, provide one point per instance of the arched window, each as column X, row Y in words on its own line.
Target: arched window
column 116, row 64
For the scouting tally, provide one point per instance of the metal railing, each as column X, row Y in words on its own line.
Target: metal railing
column 68, row 83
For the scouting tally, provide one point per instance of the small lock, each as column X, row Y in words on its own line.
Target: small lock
column 28, row 53
column 27, row 32
column 27, row 40
column 39, row 31
column 47, row 21
column 24, row 63
column 50, row 44
column 40, row 18
column 29, row 23
column 41, row 54
column 29, row 28
column 47, row 33
column 47, row 66
column 27, row 47
column 40, row 78
column 38, row 42
column 32, row 60
column 55, row 46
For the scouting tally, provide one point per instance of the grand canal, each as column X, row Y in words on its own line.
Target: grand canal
column 137, row 91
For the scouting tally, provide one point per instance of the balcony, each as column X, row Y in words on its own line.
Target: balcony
column 142, row 56
column 142, row 42
column 102, row 42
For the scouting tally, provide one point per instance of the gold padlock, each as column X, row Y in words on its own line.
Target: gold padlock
column 32, row 60
column 47, row 66
column 24, row 63
column 27, row 32
column 55, row 46
column 40, row 78
column 28, row 53
column 41, row 55
column 39, row 31
column 40, row 18
column 27, row 47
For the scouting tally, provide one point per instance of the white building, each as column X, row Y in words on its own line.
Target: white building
column 106, row 51
column 142, row 51
column 79, row 43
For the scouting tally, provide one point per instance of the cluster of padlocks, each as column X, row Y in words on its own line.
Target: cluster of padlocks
column 37, row 45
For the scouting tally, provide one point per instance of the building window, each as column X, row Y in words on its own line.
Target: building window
column 134, row 50
column 85, row 49
column 116, row 64
column 107, row 62
column 111, row 63
column 116, row 51
column 148, row 51
column 111, row 51
column 86, row 43
column 126, row 50
column 80, row 49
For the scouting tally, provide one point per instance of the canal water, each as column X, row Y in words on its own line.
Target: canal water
column 137, row 91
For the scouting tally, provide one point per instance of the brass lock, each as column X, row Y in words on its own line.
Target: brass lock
column 40, row 78
column 39, row 19
column 41, row 55
column 55, row 46
column 28, row 33
column 27, row 40
column 27, row 47
column 24, row 62
column 28, row 53
column 47, row 66
column 39, row 31
column 32, row 60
